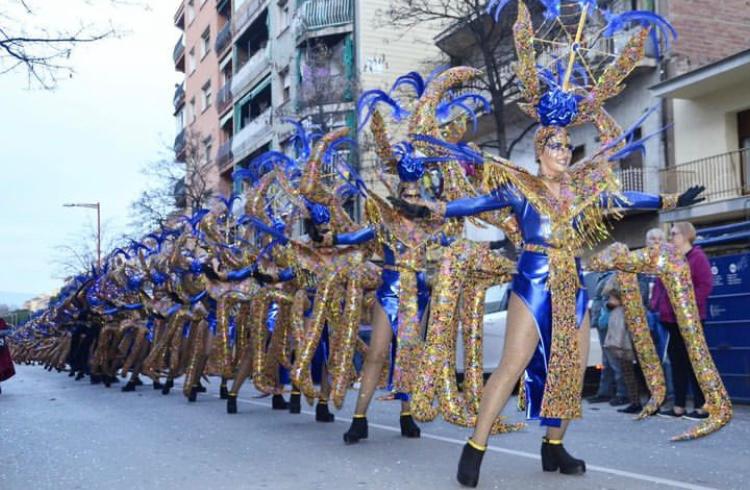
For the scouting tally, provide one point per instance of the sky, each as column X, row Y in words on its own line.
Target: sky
column 85, row 141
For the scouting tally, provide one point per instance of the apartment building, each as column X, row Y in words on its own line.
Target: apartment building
column 266, row 64
column 198, row 136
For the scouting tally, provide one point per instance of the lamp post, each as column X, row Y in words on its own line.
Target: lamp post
column 96, row 206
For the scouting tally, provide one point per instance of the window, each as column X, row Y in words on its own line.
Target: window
column 286, row 86
column 191, row 61
column 205, row 42
column 284, row 17
column 206, row 96
column 190, row 11
column 180, row 120
column 207, row 148
column 191, row 110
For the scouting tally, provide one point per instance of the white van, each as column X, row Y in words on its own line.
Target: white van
column 495, row 312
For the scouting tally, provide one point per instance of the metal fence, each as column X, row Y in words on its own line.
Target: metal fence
column 179, row 95
column 631, row 179
column 319, row 14
column 224, row 97
column 224, row 155
column 223, row 38
column 179, row 50
column 725, row 175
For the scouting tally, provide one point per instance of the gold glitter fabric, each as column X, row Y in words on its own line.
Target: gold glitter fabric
column 674, row 272
column 669, row 201
column 635, row 319
column 468, row 267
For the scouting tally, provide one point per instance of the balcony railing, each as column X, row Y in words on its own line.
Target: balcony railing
column 725, row 176
column 253, row 68
column 320, row 14
column 223, row 38
column 179, row 50
column 179, row 96
column 224, row 155
column 252, row 135
column 247, row 13
column 224, row 97
column 631, row 179
column 331, row 89
column 179, row 143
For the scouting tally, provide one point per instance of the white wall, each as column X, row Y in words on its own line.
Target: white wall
column 707, row 126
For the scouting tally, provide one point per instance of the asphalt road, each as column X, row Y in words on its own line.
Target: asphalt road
column 59, row 434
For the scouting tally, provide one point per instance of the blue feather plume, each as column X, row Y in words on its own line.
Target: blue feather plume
column 460, row 151
column 370, row 99
column 644, row 18
column 443, row 111
column 411, row 79
column 264, row 228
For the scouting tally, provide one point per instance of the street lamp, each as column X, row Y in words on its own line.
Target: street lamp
column 96, row 206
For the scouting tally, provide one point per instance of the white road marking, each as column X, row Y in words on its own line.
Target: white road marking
column 523, row 454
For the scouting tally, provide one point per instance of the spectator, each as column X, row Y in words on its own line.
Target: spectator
column 611, row 381
column 6, row 363
column 659, row 333
column 619, row 345
column 682, row 237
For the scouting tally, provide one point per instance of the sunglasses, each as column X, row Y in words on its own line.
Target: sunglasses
column 560, row 146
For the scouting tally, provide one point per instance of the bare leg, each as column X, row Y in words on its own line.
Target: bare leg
column 521, row 339
column 377, row 355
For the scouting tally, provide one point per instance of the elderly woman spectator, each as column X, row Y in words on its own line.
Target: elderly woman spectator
column 683, row 238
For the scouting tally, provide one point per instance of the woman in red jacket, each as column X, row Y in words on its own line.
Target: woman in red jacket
column 683, row 236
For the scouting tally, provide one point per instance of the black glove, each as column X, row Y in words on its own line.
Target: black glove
column 408, row 209
column 262, row 277
column 498, row 244
column 690, row 196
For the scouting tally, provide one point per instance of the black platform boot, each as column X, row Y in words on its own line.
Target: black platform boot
column 200, row 388
column 322, row 414
column 278, row 403
column 129, row 386
column 295, row 402
column 409, row 428
column 193, row 395
column 223, row 391
column 95, row 379
column 167, row 386
column 158, row 385
column 232, row 403
column 137, row 381
column 554, row 457
column 357, row 431
column 470, row 463
column 80, row 375
column 71, row 373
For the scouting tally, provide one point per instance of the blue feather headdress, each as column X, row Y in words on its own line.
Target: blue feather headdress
column 370, row 99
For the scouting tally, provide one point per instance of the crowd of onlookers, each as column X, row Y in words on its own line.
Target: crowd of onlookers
column 621, row 383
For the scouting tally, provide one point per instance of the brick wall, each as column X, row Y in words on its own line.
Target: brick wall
column 709, row 30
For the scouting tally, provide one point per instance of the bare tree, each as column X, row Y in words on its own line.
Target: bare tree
column 43, row 52
column 487, row 45
column 78, row 253
column 177, row 184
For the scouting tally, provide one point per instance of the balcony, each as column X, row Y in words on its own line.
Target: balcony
column 179, row 96
column 224, row 97
column 725, row 176
column 224, row 155
column 253, row 135
column 727, row 180
column 180, row 142
column 223, row 39
column 315, row 15
column 253, row 69
column 178, row 54
column 631, row 179
column 179, row 16
column 247, row 14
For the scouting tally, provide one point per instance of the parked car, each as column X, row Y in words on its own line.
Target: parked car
column 495, row 313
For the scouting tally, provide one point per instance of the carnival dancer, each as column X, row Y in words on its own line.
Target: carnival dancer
column 560, row 211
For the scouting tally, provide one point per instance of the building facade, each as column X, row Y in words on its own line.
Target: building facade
column 306, row 59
